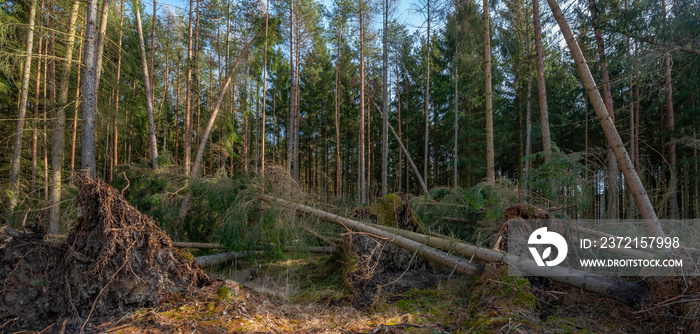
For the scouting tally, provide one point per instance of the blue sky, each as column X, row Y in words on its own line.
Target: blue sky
column 404, row 12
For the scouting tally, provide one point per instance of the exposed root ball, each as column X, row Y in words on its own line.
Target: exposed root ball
column 373, row 266
column 114, row 258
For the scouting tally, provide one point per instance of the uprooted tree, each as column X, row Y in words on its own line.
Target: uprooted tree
column 114, row 257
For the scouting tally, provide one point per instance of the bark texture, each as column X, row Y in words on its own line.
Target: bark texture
column 23, row 96
column 490, row 168
column 149, row 93
column 90, row 92
column 542, row 88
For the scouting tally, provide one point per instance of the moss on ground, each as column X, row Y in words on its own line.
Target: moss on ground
column 501, row 302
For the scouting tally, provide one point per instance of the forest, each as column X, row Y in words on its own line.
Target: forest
column 302, row 131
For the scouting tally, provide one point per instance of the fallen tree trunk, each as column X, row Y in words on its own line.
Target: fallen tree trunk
column 610, row 287
column 199, row 245
column 459, row 264
column 320, row 249
column 216, row 259
column 634, row 183
column 204, row 245
column 613, row 288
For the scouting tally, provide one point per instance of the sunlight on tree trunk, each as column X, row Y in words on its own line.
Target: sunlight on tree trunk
column 58, row 137
column 24, row 93
column 90, row 92
column 149, row 93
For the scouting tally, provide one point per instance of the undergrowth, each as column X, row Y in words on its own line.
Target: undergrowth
column 225, row 209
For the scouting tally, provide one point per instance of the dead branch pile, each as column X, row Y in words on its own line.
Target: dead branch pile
column 114, row 258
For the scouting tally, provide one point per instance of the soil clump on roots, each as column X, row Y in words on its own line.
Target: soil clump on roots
column 114, row 258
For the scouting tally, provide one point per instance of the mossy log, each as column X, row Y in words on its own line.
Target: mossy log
column 459, row 264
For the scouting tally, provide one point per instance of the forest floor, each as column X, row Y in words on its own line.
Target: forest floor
column 306, row 294
column 295, row 292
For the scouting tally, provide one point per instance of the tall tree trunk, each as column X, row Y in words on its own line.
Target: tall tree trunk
column 264, row 92
column 637, row 114
column 673, row 196
column 490, row 168
column 630, row 206
column 368, row 159
column 244, row 112
column 697, row 179
column 58, row 138
column 663, row 191
column 613, row 212
column 686, row 188
column 256, row 124
column 276, row 137
column 338, row 172
column 76, row 111
column 408, row 138
column 292, row 91
column 177, row 113
column 297, row 94
column 645, row 207
column 362, row 170
column 23, row 96
column 104, row 15
column 398, row 107
column 385, row 100
column 48, row 103
column 35, row 121
column 426, row 99
column 163, row 103
column 528, row 129
column 90, row 92
column 187, row 142
column 115, row 125
column 151, row 62
column 196, row 74
column 222, row 152
column 544, row 113
column 456, row 156
column 149, row 93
